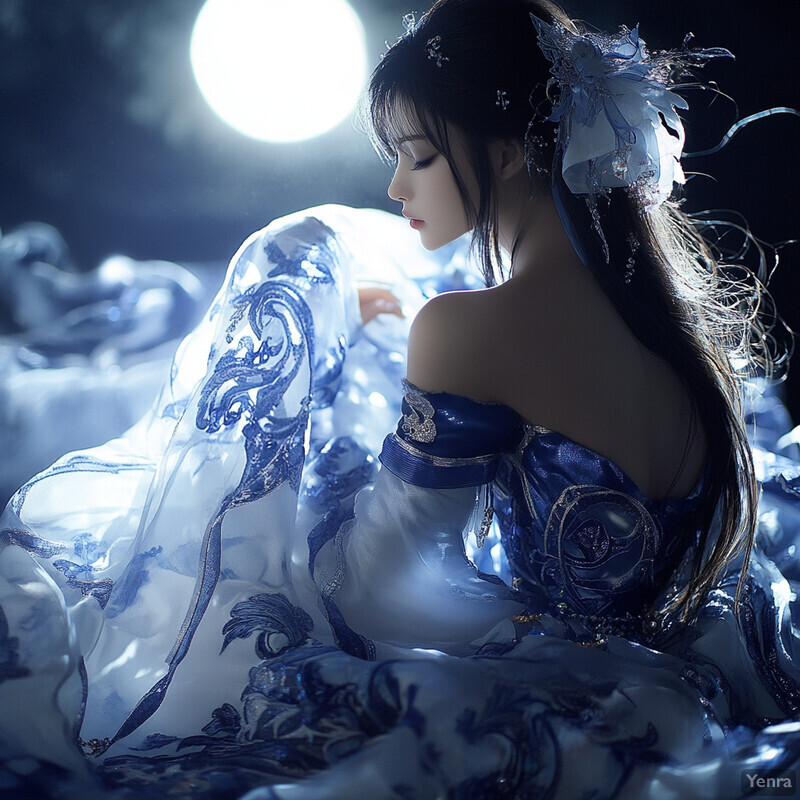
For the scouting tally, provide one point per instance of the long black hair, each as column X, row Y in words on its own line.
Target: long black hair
column 476, row 65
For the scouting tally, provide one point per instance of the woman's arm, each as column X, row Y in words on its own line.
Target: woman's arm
column 407, row 578
column 397, row 571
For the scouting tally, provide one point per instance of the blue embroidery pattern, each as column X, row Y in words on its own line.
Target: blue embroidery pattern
column 248, row 384
column 281, row 624
column 205, row 585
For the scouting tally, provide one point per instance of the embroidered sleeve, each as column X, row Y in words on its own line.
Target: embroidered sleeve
column 417, row 422
column 446, row 441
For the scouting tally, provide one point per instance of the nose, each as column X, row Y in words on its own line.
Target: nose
column 397, row 189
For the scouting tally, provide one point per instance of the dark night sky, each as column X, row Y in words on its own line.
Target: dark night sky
column 105, row 135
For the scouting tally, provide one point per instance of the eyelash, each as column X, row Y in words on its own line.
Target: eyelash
column 424, row 163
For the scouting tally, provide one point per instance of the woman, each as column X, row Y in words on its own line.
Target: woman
column 588, row 401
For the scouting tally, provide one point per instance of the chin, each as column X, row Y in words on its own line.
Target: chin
column 429, row 246
column 436, row 244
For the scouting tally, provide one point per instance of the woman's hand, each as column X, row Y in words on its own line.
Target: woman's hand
column 376, row 300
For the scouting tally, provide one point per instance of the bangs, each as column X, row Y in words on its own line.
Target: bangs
column 391, row 117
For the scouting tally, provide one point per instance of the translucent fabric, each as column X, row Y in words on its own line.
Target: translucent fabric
column 256, row 592
column 82, row 354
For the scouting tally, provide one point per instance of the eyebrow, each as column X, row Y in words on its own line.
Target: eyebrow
column 411, row 139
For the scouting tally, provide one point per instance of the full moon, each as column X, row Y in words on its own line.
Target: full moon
column 279, row 70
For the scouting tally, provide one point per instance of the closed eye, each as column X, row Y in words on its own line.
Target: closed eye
column 424, row 163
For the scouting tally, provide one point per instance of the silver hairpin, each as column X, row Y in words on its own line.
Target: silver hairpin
column 502, row 100
column 435, row 50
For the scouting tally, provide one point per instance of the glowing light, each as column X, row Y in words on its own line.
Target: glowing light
column 127, row 655
column 279, row 70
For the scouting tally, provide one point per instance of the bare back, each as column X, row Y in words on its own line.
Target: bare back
column 557, row 352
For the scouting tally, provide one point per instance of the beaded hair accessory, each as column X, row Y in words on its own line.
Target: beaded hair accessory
column 617, row 118
column 434, row 48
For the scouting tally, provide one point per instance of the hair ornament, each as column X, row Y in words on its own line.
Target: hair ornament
column 742, row 123
column 434, row 45
column 409, row 23
column 502, row 100
column 630, row 264
column 618, row 124
column 534, row 148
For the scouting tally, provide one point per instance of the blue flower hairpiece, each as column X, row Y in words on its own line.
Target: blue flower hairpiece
column 618, row 124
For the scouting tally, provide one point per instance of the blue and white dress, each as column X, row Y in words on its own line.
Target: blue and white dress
column 256, row 593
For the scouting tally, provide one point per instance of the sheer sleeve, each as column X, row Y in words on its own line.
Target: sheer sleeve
column 396, row 571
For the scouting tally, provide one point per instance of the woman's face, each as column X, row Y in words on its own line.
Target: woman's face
column 423, row 182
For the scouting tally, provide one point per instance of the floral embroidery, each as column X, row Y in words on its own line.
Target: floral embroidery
column 280, row 624
column 418, row 423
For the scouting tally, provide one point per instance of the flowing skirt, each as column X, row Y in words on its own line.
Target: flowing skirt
column 161, row 632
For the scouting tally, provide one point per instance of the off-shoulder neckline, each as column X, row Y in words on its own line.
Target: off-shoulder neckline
column 693, row 495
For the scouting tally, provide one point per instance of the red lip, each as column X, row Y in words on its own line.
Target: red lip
column 413, row 221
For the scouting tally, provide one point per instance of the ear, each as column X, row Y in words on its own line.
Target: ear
column 508, row 157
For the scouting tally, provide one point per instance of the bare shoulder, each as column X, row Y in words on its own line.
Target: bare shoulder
column 447, row 343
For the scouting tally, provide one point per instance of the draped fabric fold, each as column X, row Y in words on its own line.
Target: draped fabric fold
column 256, row 592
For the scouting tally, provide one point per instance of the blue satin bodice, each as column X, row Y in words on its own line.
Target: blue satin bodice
column 581, row 538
